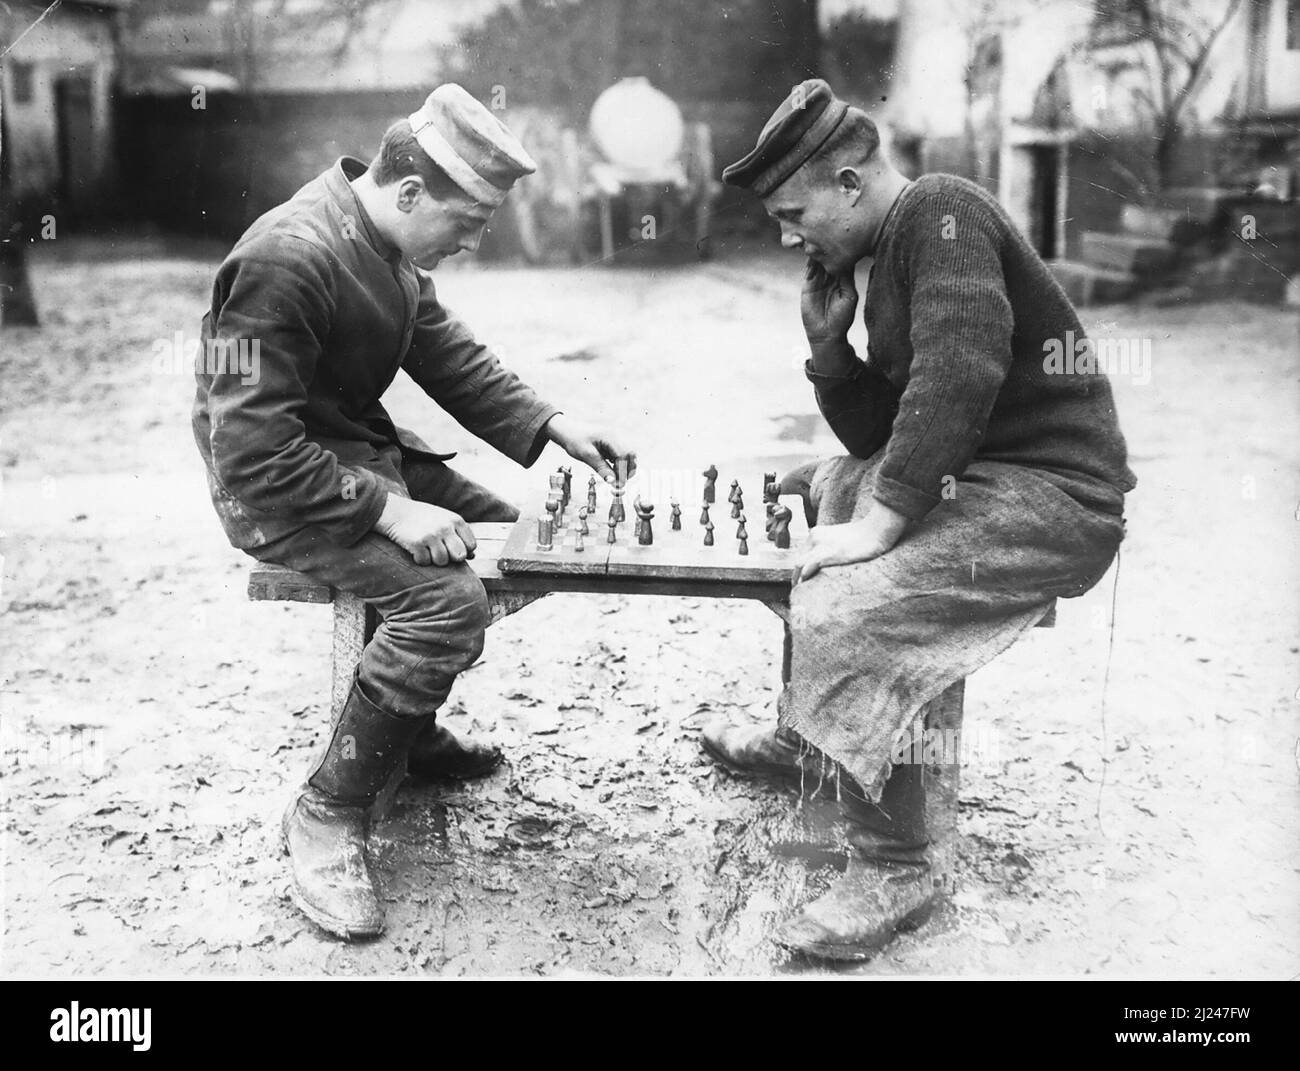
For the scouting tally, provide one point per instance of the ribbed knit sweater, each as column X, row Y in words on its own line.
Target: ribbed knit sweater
column 961, row 313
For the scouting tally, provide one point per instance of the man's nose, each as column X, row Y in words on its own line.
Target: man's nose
column 471, row 242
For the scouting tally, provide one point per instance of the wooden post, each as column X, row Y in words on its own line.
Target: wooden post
column 942, row 784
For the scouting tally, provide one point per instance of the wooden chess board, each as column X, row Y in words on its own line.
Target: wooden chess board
column 673, row 554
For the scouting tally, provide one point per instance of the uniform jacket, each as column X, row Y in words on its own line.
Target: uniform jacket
column 290, row 426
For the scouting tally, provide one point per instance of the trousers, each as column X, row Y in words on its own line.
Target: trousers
column 433, row 617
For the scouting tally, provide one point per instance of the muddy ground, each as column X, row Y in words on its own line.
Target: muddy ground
column 154, row 721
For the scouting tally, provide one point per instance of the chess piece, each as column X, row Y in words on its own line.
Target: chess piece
column 770, row 533
column 781, row 527
column 644, row 514
column 616, row 510
column 710, row 479
column 741, row 531
column 735, row 490
column 577, row 540
column 612, row 525
column 744, row 546
column 708, row 534
column 566, row 475
column 770, row 492
column 591, row 496
column 553, row 508
column 737, row 504
column 675, row 517
column 544, row 533
column 583, row 514
column 704, row 514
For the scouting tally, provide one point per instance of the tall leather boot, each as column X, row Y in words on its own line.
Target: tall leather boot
column 325, row 825
column 887, row 886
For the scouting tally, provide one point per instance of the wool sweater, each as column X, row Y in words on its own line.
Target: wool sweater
column 960, row 314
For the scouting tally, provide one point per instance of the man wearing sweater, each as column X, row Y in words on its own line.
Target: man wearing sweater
column 982, row 484
column 323, row 303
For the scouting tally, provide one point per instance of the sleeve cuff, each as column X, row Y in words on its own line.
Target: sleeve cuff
column 902, row 498
column 822, row 379
column 533, row 437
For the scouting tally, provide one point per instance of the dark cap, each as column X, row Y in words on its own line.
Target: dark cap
column 797, row 129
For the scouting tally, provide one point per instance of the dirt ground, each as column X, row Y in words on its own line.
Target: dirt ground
column 154, row 721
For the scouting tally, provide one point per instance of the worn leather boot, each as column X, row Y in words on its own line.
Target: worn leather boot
column 437, row 754
column 325, row 826
column 887, row 887
column 766, row 752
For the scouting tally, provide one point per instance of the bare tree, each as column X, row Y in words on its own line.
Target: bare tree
column 1174, row 41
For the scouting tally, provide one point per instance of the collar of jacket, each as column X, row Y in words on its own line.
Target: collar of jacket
column 338, row 180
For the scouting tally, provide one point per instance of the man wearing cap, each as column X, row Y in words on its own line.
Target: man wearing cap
column 982, row 484
column 305, row 468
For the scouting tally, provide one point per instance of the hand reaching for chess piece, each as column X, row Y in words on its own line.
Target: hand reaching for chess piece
column 605, row 454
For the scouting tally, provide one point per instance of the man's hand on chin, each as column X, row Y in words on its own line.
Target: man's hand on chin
column 857, row 541
column 607, row 455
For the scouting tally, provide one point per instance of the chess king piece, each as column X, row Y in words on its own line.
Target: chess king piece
column 704, row 514
column 583, row 513
column 644, row 514
column 737, row 504
column 675, row 517
column 591, row 496
column 708, row 534
column 743, row 548
column 781, row 527
column 710, row 480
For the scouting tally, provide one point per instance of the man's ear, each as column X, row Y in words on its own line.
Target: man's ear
column 849, row 182
column 409, row 191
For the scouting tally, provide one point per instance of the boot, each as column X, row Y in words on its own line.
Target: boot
column 437, row 754
column 887, row 887
column 325, row 826
column 776, row 753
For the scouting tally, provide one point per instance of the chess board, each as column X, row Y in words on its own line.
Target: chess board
column 675, row 554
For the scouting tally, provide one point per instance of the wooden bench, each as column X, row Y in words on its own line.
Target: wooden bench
column 355, row 624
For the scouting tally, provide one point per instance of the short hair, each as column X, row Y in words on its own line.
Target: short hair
column 400, row 155
column 853, row 143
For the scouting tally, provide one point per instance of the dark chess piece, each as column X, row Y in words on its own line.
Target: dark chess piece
column 644, row 515
column 771, row 506
column 591, row 496
column 744, row 546
column 781, row 527
column 738, row 504
column 704, row 514
column 612, row 526
column 566, row 474
column 583, row 514
column 741, row 531
column 770, row 492
column 735, row 490
column 710, row 480
column 708, row 534
column 616, row 510
column 675, row 517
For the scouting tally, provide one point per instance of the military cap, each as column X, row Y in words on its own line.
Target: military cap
column 469, row 143
column 796, row 130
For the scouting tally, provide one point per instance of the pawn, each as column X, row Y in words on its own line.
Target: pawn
column 675, row 517
column 644, row 515
column 704, row 514
column 735, row 490
column 613, row 524
column 708, row 534
column 741, row 531
column 744, row 546
column 737, row 504
column 577, row 540
column 583, row 514
column 781, row 527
